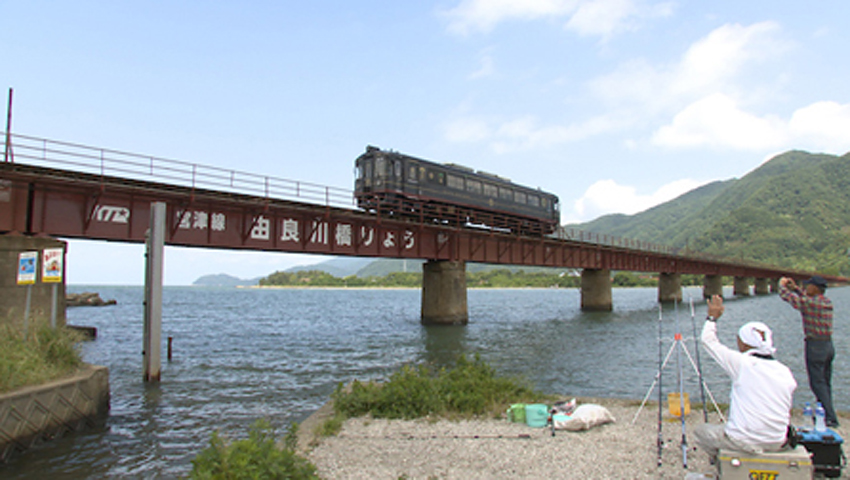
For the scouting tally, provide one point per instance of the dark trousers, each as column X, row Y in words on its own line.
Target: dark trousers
column 819, row 355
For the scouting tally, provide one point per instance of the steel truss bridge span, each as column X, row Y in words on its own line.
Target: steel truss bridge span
column 70, row 190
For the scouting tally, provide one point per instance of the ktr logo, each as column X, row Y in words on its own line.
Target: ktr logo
column 108, row 213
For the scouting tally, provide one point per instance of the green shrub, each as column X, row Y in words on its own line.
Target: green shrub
column 470, row 388
column 258, row 456
column 41, row 354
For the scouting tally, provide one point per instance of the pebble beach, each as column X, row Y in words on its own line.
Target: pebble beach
column 368, row 448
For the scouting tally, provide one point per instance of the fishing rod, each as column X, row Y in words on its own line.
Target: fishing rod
column 681, row 378
column 660, row 440
column 699, row 364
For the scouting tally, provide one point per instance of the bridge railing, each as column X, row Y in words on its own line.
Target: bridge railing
column 114, row 163
column 105, row 162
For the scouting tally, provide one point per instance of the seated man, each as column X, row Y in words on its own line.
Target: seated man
column 762, row 390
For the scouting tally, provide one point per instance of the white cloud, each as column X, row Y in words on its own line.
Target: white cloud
column 602, row 18
column 485, row 69
column 483, row 15
column 525, row 132
column 607, row 196
column 716, row 121
column 713, row 64
column 823, row 126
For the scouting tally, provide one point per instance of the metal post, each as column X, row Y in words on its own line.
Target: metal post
column 8, row 151
column 155, row 244
column 53, row 306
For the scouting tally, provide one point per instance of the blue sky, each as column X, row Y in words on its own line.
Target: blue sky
column 614, row 105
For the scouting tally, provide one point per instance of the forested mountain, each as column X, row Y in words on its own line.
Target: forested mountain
column 793, row 211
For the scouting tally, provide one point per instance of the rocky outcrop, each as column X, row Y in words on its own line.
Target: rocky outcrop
column 87, row 299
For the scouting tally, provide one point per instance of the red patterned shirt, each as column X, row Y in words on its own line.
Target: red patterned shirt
column 816, row 312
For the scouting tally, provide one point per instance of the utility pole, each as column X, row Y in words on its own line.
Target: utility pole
column 7, row 152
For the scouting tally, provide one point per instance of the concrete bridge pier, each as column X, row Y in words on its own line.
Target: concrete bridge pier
column 596, row 290
column 741, row 287
column 774, row 285
column 761, row 286
column 712, row 285
column 669, row 287
column 444, row 293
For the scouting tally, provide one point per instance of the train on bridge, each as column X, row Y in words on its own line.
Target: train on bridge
column 393, row 184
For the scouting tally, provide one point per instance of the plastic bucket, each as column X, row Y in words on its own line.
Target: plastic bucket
column 536, row 415
column 674, row 404
column 516, row 413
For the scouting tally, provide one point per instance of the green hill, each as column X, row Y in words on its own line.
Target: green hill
column 793, row 211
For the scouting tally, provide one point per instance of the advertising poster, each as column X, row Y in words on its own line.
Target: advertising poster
column 26, row 267
column 52, row 266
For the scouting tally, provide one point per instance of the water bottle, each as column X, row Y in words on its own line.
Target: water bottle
column 808, row 415
column 820, row 418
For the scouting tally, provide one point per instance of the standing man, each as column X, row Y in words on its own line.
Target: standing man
column 816, row 311
column 762, row 390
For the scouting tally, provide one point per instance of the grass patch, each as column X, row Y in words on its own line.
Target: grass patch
column 258, row 456
column 41, row 355
column 470, row 388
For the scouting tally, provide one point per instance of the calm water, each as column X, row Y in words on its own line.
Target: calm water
column 244, row 354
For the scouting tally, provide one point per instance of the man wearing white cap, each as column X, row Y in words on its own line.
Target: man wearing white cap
column 762, row 390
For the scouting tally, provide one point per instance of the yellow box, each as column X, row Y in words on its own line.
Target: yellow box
column 674, row 404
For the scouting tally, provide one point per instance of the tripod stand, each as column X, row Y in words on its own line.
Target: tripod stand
column 678, row 346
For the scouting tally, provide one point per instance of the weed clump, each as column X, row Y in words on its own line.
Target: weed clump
column 40, row 354
column 258, row 456
column 471, row 388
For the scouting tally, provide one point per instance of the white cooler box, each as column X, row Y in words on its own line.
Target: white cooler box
column 786, row 465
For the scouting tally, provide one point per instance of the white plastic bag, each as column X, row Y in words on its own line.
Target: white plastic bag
column 584, row 417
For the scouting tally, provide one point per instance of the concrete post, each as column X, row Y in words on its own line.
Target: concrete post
column 761, row 287
column 444, row 293
column 669, row 287
column 741, row 287
column 712, row 285
column 596, row 290
column 152, row 342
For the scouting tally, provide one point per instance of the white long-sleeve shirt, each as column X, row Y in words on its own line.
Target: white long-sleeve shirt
column 761, row 395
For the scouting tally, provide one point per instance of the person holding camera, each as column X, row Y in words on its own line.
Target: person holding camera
column 816, row 310
column 762, row 390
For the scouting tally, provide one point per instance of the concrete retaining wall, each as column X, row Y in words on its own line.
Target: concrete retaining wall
column 32, row 415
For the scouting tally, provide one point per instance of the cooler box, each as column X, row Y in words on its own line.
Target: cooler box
column 536, row 415
column 786, row 465
column 825, row 448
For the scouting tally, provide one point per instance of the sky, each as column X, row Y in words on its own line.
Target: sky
column 613, row 105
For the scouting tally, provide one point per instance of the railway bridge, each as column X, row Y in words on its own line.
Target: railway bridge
column 61, row 189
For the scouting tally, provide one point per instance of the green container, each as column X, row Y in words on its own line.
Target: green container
column 516, row 413
column 536, row 415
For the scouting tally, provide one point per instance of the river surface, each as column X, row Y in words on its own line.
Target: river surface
column 244, row 354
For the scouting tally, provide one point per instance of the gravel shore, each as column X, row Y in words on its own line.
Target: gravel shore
column 376, row 449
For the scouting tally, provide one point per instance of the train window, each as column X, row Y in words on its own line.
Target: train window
column 491, row 190
column 473, row 186
column 506, row 194
column 411, row 174
column 534, row 200
column 453, row 181
column 368, row 173
column 519, row 197
column 380, row 167
column 397, row 169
